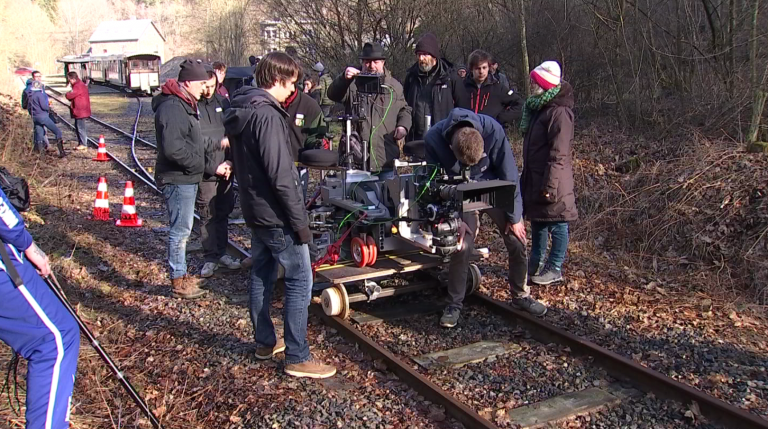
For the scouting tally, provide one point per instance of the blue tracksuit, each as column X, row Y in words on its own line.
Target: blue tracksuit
column 39, row 328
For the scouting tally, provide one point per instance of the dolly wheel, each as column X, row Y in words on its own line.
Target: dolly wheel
column 373, row 250
column 335, row 301
column 359, row 251
column 331, row 300
column 473, row 279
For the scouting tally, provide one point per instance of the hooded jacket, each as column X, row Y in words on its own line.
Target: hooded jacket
column 79, row 101
column 180, row 148
column 307, row 123
column 497, row 162
column 37, row 103
column 268, row 182
column 491, row 99
column 212, row 129
column 434, row 93
column 385, row 113
column 548, row 163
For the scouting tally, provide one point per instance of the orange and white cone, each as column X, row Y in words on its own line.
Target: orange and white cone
column 101, row 155
column 101, row 205
column 128, row 216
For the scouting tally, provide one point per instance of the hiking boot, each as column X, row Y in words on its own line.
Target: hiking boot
column 530, row 305
column 450, row 317
column 81, row 147
column 246, row 263
column 208, row 269
column 229, row 262
column 187, row 287
column 264, row 353
column 60, row 147
column 547, row 275
column 311, row 368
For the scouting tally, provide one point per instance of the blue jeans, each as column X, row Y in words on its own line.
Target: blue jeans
column 41, row 123
column 82, row 133
column 180, row 200
column 270, row 246
column 541, row 232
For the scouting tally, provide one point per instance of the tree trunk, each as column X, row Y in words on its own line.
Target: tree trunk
column 758, row 95
column 525, row 67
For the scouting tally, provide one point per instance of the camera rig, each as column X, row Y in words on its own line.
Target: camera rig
column 420, row 210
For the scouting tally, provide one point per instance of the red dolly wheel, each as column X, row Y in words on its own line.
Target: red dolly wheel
column 373, row 250
column 359, row 251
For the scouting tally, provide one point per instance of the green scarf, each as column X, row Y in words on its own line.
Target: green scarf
column 534, row 104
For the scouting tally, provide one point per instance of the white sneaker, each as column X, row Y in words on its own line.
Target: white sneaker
column 229, row 262
column 208, row 269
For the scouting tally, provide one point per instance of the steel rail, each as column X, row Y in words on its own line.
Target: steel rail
column 108, row 125
column 627, row 370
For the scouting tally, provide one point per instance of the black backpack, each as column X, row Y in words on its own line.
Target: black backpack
column 16, row 189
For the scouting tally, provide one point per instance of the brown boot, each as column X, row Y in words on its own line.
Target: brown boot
column 312, row 368
column 264, row 353
column 187, row 287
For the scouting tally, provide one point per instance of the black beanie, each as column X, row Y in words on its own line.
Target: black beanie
column 192, row 70
column 428, row 43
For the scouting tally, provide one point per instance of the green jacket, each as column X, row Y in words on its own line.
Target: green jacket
column 320, row 93
column 306, row 124
column 385, row 113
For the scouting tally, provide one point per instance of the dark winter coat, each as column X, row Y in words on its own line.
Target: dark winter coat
column 548, row 163
column 270, row 191
column 212, row 129
column 307, row 123
column 387, row 111
column 79, row 101
column 25, row 94
column 434, row 93
column 491, row 99
column 37, row 104
column 497, row 162
column 180, row 148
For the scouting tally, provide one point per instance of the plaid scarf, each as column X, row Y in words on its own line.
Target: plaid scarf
column 534, row 104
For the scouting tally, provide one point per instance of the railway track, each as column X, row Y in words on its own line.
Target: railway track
column 599, row 359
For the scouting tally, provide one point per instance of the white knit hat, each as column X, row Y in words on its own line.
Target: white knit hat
column 547, row 75
column 319, row 67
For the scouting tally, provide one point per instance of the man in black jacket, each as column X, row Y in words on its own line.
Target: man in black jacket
column 483, row 93
column 215, row 195
column 429, row 87
column 179, row 167
column 274, row 210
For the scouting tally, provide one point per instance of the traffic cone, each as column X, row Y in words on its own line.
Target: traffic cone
column 128, row 216
column 101, row 155
column 101, row 205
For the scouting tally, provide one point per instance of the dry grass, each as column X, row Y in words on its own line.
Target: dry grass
column 694, row 206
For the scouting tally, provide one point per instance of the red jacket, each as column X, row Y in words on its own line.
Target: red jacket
column 80, row 101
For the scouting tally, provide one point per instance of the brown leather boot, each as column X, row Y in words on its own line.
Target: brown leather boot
column 187, row 287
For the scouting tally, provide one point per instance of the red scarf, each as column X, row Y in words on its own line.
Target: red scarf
column 172, row 87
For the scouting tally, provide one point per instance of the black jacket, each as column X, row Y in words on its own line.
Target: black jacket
column 491, row 99
column 180, row 151
column 434, row 93
column 212, row 128
column 498, row 161
column 270, row 192
column 307, row 124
